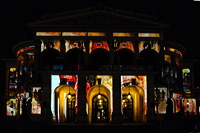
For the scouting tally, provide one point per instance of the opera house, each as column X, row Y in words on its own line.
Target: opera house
column 97, row 65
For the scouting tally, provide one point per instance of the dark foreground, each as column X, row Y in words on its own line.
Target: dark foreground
column 45, row 127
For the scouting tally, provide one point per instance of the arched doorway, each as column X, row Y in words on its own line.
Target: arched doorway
column 127, row 107
column 93, row 103
column 100, row 108
column 65, row 99
column 133, row 104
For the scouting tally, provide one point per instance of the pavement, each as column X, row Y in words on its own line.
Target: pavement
column 183, row 126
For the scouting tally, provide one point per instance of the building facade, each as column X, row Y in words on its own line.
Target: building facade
column 97, row 65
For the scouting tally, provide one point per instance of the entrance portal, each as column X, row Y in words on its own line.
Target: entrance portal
column 133, row 104
column 100, row 109
column 65, row 100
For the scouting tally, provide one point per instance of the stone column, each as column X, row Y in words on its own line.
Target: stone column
column 150, row 98
column 117, row 117
column 46, row 99
column 81, row 116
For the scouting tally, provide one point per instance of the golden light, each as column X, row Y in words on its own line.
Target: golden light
column 99, row 96
column 129, row 95
column 69, row 95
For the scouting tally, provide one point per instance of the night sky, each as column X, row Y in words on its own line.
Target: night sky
column 182, row 15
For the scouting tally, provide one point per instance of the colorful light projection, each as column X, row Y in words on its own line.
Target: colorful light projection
column 96, row 84
column 189, row 106
column 177, row 61
column 149, row 45
column 74, row 44
column 11, row 107
column 167, row 58
column 48, row 33
column 25, row 49
column 96, row 34
column 12, row 81
column 148, row 34
column 35, row 102
column 56, row 45
column 175, row 51
column 177, row 99
column 119, row 34
column 141, row 81
column 160, row 95
column 74, row 33
column 98, row 44
column 19, row 98
column 186, row 81
column 62, row 81
column 125, row 44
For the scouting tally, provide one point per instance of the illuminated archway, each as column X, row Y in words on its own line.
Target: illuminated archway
column 65, row 103
column 93, row 92
column 137, row 94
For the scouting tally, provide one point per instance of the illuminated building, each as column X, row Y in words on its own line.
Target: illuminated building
column 100, row 65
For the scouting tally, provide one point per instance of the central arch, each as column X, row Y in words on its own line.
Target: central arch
column 136, row 103
column 106, row 97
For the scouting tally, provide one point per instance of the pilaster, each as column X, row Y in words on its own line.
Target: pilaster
column 150, row 116
column 46, row 99
column 81, row 116
column 117, row 117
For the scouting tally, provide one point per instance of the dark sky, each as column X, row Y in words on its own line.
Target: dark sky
column 182, row 15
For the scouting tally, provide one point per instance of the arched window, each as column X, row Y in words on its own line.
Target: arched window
column 98, row 58
column 125, row 57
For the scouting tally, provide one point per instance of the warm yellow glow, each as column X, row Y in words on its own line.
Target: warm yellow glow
column 129, row 96
column 167, row 58
column 98, row 76
column 48, row 33
column 176, row 51
column 61, row 96
column 12, row 69
column 96, row 34
column 69, row 95
column 74, row 33
column 99, row 96
column 148, row 35
column 95, row 91
column 186, row 70
column 122, row 34
column 137, row 93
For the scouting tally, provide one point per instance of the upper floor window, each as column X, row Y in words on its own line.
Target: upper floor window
column 50, row 44
column 148, row 34
column 74, row 33
column 48, row 33
column 149, row 45
column 119, row 34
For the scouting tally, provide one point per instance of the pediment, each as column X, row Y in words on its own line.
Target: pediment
column 91, row 19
